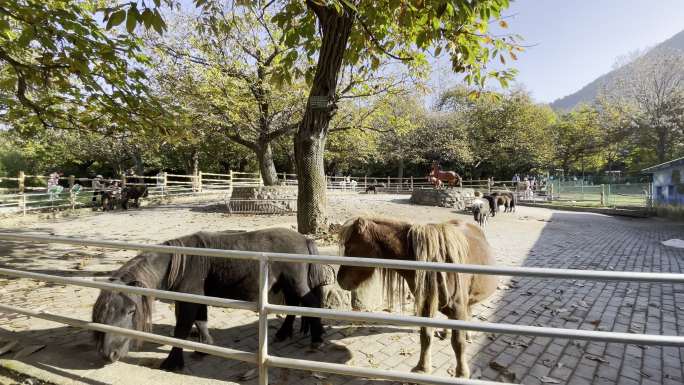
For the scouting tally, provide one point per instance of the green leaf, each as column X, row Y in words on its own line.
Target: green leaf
column 116, row 18
column 4, row 26
column 132, row 19
column 26, row 36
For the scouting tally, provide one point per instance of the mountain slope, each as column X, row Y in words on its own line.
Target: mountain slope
column 588, row 93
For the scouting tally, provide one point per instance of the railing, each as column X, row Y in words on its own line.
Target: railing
column 264, row 360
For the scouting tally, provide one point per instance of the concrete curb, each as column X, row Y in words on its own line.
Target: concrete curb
column 637, row 213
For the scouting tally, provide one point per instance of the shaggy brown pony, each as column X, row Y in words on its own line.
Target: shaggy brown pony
column 450, row 293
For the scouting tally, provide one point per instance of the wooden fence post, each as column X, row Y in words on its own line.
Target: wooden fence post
column 22, row 179
column 603, row 195
column 199, row 181
column 231, row 179
column 365, row 181
column 123, row 180
column 164, row 180
column 388, row 183
column 411, row 182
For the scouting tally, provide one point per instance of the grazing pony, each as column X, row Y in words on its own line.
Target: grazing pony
column 217, row 277
column 450, row 293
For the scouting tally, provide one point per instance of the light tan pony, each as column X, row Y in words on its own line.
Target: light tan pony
column 450, row 293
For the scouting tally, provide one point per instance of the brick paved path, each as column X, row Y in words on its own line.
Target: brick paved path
column 530, row 237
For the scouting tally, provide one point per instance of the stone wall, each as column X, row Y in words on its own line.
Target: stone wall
column 447, row 197
column 264, row 199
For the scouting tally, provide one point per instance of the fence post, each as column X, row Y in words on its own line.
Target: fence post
column 411, row 183
column 72, row 181
column 262, row 355
column 165, row 181
column 123, row 180
column 388, row 183
column 199, row 181
column 603, row 195
column 22, row 179
column 231, row 180
column 365, row 181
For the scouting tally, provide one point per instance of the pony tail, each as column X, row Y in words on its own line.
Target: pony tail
column 426, row 244
column 177, row 265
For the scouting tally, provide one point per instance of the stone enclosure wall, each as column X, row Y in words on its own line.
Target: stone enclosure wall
column 456, row 198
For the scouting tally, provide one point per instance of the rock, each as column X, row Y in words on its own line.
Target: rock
column 451, row 198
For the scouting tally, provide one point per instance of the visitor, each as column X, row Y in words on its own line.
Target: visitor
column 98, row 187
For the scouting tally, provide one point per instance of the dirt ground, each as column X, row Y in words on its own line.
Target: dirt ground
column 530, row 237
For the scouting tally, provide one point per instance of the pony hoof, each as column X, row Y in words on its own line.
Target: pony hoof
column 172, row 365
column 316, row 345
column 280, row 337
column 420, row 369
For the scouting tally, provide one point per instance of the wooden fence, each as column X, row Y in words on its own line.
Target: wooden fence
column 25, row 193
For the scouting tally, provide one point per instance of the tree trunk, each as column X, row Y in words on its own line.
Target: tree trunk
column 195, row 161
column 661, row 146
column 400, row 173
column 311, row 137
column 266, row 165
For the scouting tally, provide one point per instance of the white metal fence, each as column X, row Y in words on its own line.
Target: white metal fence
column 265, row 360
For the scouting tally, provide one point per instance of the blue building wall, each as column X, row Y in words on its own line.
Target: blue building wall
column 666, row 188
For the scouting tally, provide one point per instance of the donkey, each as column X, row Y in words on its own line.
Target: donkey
column 300, row 284
column 450, row 293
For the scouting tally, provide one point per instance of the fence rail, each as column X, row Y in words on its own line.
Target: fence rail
column 264, row 360
column 26, row 198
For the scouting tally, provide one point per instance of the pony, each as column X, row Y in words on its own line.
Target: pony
column 133, row 192
column 450, row 293
column 501, row 200
column 300, row 284
column 492, row 204
column 110, row 198
column 512, row 200
column 480, row 213
column 452, row 178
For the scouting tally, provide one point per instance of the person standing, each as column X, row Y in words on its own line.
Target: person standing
column 98, row 186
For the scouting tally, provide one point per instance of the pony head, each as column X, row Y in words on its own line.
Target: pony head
column 370, row 238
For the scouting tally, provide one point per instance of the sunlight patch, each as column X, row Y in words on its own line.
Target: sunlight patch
column 674, row 243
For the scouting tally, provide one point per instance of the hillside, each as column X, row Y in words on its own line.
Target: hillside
column 588, row 93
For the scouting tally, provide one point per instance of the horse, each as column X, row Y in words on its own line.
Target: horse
column 452, row 178
column 450, row 293
column 436, row 183
column 480, row 212
column 300, row 284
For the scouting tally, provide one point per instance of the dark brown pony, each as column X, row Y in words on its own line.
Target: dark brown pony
column 450, row 293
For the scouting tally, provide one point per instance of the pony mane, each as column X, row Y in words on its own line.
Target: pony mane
column 393, row 284
column 136, row 272
column 442, row 243
column 141, row 272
